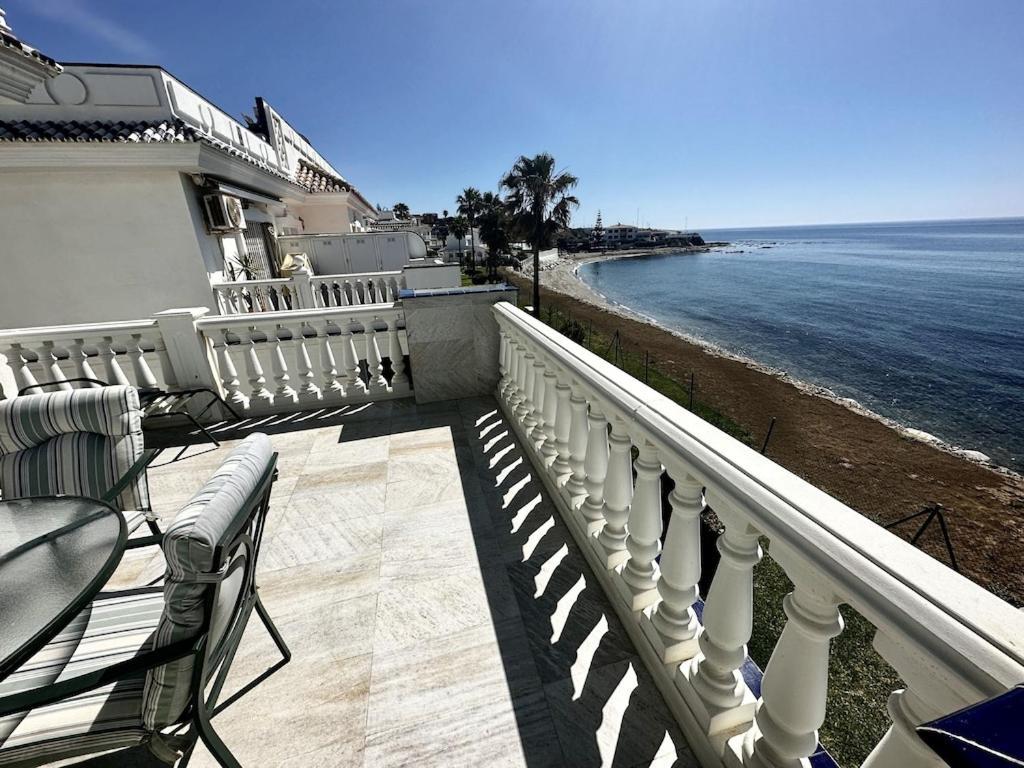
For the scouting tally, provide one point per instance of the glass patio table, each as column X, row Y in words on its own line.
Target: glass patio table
column 56, row 553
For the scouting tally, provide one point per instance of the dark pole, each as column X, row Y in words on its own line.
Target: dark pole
column 538, row 216
column 764, row 446
column 691, row 390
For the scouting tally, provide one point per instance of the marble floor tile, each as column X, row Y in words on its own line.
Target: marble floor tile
column 459, row 712
column 353, row 538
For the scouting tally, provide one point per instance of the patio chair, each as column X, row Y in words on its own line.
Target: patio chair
column 146, row 666
column 84, row 442
column 158, row 404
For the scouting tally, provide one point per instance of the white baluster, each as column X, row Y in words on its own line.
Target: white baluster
column 536, row 434
column 515, row 390
column 618, row 495
column 378, row 384
column 563, row 424
column 83, row 370
column 233, row 394
column 575, row 485
column 354, row 385
column 795, row 682
column 399, row 378
column 259, row 395
column 332, row 388
column 595, row 468
column 673, row 627
column 528, row 419
column 548, row 449
column 308, row 391
column 640, row 574
column 283, row 392
column 51, row 367
column 143, row 375
column 19, row 365
column 502, row 362
column 711, row 681
column 113, row 372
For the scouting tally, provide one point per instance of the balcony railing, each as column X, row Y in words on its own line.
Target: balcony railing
column 602, row 442
column 303, row 291
column 261, row 362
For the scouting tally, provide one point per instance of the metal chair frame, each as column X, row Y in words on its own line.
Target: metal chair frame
column 210, row 663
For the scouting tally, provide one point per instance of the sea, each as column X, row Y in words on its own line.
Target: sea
column 921, row 323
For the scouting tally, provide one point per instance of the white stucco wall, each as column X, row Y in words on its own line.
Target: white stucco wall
column 333, row 219
column 84, row 246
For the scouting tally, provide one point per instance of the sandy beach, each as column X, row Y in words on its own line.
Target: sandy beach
column 878, row 468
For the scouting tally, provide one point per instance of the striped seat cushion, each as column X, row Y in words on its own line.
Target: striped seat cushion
column 189, row 547
column 76, row 443
column 115, row 627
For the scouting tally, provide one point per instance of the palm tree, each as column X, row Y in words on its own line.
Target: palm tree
column 469, row 206
column 458, row 229
column 494, row 229
column 401, row 210
column 540, row 197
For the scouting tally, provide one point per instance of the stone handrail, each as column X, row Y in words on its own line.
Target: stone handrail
column 303, row 291
column 952, row 642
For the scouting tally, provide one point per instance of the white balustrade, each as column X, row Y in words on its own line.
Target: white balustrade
column 315, row 356
column 259, row 362
column 952, row 642
column 131, row 352
column 303, row 291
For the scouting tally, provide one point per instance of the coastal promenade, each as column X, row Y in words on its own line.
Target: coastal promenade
column 858, row 459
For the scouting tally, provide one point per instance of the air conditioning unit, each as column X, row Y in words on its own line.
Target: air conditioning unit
column 223, row 213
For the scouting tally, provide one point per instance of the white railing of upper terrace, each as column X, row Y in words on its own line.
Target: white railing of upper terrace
column 303, row 291
column 952, row 642
column 261, row 363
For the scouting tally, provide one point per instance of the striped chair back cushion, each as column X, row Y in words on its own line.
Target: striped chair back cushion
column 189, row 548
column 76, row 443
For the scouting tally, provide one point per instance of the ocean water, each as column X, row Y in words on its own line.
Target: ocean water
column 920, row 322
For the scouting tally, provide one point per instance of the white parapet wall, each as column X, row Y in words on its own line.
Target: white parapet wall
column 601, row 441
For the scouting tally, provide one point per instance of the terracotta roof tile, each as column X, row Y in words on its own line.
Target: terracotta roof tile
column 134, row 132
column 318, row 180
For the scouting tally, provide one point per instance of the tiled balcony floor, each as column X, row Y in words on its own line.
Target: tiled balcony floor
column 438, row 611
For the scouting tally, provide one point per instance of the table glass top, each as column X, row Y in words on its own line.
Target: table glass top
column 52, row 551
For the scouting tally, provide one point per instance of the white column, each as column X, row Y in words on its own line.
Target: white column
column 22, row 373
column 51, row 366
column 112, row 369
column 378, row 384
column 673, row 627
column 143, row 375
column 80, row 360
column 795, row 682
column 330, row 386
column 563, row 426
column 595, row 468
column 302, row 284
column 308, row 392
column 502, row 361
column 618, row 495
column 233, row 394
column 711, row 681
column 536, row 434
column 518, row 394
column 283, row 392
column 578, row 435
column 528, row 419
column 354, row 385
column 640, row 574
column 399, row 379
column 550, row 414
column 259, row 396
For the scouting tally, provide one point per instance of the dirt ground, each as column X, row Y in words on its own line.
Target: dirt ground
column 859, row 460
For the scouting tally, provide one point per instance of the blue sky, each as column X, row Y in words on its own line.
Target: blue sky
column 715, row 113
